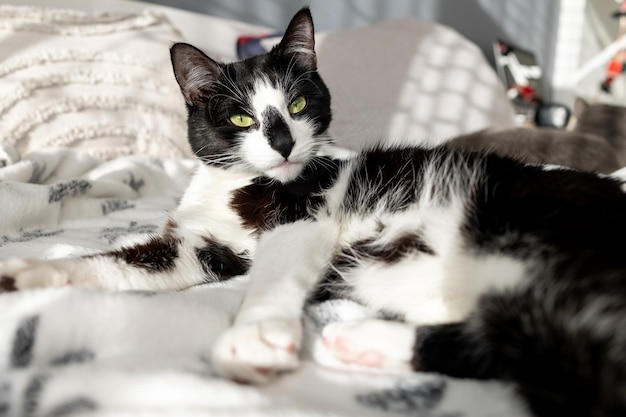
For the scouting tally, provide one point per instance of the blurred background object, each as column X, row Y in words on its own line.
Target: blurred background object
column 568, row 38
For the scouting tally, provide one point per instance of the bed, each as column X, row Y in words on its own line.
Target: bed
column 93, row 154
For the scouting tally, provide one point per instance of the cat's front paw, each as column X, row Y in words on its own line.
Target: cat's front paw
column 258, row 352
column 371, row 343
column 25, row 273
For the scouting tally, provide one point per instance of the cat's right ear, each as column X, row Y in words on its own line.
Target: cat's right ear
column 195, row 72
column 298, row 42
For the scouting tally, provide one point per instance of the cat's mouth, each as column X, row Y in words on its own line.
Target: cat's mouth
column 286, row 164
column 286, row 170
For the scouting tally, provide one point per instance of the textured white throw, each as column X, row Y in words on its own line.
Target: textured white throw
column 69, row 351
column 98, row 82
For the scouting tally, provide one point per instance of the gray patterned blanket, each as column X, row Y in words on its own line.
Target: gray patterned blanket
column 71, row 352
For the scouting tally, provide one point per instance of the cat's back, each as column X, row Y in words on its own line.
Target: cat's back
column 529, row 209
column 492, row 198
column 392, row 179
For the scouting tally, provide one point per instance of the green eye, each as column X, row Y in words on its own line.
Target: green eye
column 241, row 120
column 297, row 105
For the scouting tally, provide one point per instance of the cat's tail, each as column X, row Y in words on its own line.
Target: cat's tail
column 566, row 352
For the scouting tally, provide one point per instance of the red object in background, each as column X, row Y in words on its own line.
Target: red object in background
column 518, row 70
column 617, row 64
column 615, row 68
column 526, row 93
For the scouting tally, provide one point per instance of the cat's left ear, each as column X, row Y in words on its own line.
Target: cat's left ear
column 299, row 40
column 580, row 106
column 195, row 72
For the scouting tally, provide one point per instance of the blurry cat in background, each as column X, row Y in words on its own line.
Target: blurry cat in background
column 604, row 120
column 597, row 143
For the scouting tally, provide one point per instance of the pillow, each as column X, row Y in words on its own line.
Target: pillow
column 97, row 82
column 409, row 80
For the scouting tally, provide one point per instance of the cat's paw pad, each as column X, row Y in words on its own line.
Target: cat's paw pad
column 258, row 352
column 23, row 273
column 371, row 343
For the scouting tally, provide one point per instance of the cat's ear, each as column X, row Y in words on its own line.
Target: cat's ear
column 580, row 106
column 195, row 72
column 299, row 40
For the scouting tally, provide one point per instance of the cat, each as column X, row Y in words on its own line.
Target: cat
column 596, row 143
column 577, row 150
column 607, row 121
column 493, row 268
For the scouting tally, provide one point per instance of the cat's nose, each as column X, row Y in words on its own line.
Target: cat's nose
column 283, row 144
column 277, row 132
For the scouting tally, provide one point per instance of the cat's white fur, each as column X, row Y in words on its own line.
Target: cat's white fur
column 204, row 209
column 267, row 331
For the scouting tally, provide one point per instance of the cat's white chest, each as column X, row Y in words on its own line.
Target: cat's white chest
column 205, row 208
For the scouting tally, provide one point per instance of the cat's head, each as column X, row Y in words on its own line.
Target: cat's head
column 605, row 120
column 267, row 114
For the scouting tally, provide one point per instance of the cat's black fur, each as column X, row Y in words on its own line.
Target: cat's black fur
column 264, row 204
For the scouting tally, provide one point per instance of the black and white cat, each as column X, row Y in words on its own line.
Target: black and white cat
column 494, row 269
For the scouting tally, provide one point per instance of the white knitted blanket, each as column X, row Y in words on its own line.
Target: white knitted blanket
column 98, row 82
column 70, row 352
